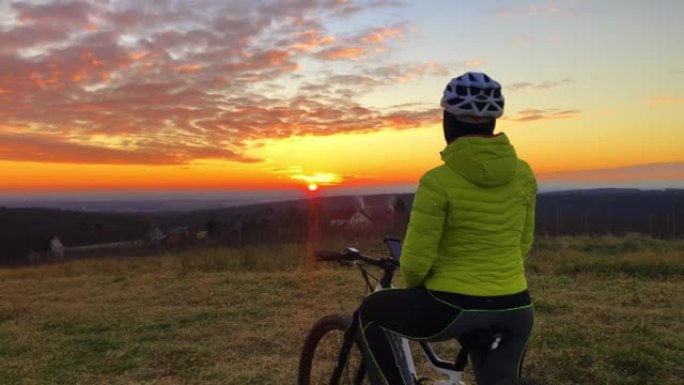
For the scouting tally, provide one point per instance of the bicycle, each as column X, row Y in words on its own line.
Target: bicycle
column 341, row 359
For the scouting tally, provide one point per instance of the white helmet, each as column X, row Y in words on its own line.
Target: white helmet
column 473, row 94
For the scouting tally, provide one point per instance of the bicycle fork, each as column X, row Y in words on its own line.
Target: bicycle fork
column 347, row 343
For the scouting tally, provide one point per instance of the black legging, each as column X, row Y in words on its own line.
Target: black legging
column 421, row 314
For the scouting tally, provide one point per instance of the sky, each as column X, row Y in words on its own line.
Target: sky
column 212, row 95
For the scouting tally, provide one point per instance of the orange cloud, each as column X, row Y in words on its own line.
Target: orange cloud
column 473, row 63
column 537, row 86
column 656, row 101
column 379, row 35
column 340, row 53
column 45, row 80
column 120, row 94
column 408, row 72
column 308, row 40
column 188, row 68
column 642, row 172
column 43, row 23
column 138, row 55
column 44, row 148
column 77, row 77
column 273, row 60
column 373, row 38
column 90, row 57
column 58, row 13
column 530, row 115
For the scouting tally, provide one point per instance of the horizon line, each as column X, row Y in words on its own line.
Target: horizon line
column 288, row 193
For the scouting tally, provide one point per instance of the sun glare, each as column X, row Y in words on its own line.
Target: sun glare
column 313, row 181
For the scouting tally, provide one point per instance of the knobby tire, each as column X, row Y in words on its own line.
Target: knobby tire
column 334, row 325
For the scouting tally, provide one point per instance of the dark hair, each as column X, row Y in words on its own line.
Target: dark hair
column 454, row 128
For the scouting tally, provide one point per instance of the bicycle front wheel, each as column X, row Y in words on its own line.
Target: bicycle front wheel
column 321, row 352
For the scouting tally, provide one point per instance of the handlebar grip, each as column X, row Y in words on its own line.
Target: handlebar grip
column 323, row 255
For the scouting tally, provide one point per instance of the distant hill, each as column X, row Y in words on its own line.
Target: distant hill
column 597, row 211
column 659, row 213
column 198, row 218
column 612, row 191
column 26, row 230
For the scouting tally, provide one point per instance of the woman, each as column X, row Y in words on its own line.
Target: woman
column 471, row 227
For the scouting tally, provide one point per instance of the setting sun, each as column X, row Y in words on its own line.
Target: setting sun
column 316, row 179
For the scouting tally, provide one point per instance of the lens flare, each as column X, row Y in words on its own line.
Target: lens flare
column 313, row 181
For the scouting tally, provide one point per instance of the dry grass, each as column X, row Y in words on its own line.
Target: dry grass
column 609, row 311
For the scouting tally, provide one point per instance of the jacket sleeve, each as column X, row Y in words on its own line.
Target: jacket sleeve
column 424, row 230
column 528, row 229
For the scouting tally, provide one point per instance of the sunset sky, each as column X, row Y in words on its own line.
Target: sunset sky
column 163, row 95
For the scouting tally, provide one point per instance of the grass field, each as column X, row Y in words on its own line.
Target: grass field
column 608, row 311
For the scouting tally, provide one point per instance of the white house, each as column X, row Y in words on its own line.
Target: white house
column 57, row 249
column 350, row 219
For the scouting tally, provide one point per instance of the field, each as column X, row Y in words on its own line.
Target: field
column 608, row 311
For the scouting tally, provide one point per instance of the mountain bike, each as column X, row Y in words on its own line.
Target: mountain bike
column 332, row 349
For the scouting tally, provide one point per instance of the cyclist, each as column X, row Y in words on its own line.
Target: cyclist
column 471, row 227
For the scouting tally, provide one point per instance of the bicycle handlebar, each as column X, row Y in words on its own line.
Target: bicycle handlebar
column 324, row 255
column 351, row 254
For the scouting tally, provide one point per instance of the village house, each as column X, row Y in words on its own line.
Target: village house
column 350, row 219
column 57, row 249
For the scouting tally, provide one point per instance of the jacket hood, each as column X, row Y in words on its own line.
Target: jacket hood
column 484, row 161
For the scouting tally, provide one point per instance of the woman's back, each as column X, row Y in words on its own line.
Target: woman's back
column 478, row 210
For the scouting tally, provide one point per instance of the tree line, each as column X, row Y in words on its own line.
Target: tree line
column 655, row 213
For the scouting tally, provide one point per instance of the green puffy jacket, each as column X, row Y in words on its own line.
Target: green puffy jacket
column 472, row 220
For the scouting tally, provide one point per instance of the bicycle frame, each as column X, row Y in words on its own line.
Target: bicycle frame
column 453, row 370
